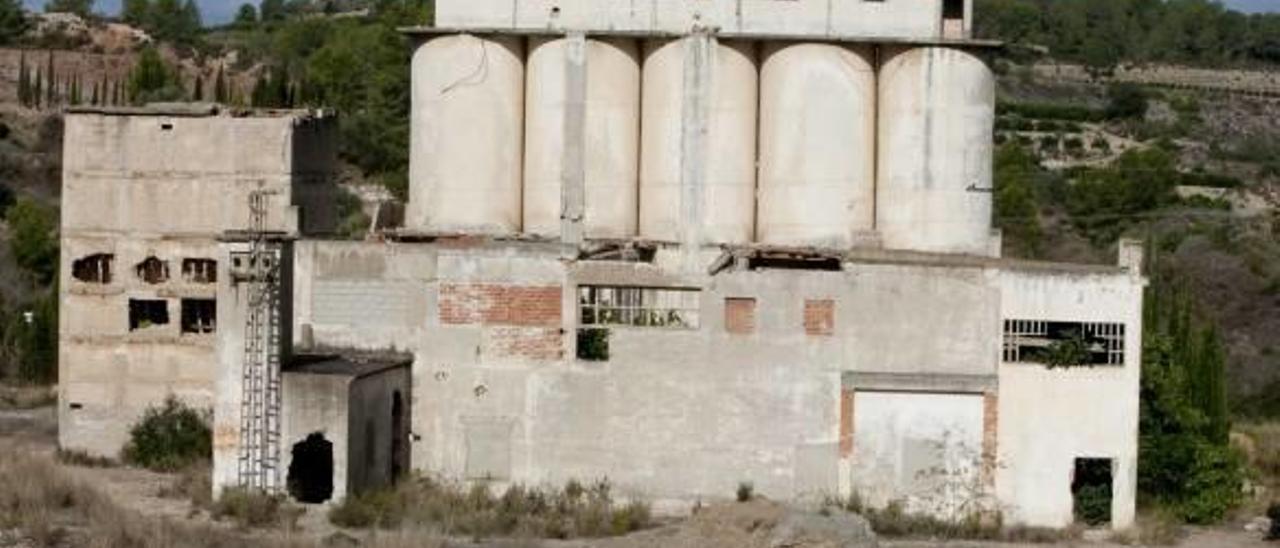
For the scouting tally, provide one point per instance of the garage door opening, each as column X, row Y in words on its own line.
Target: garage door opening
column 310, row 477
column 1091, row 491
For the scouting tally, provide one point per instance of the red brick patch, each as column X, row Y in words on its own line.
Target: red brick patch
column 740, row 315
column 990, row 436
column 494, row 304
column 819, row 317
column 524, row 342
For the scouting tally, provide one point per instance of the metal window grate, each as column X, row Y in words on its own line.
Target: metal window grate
column 1026, row 341
column 639, row 306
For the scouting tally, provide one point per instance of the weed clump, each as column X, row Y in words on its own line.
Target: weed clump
column 169, row 438
column 76, row 457
column 746, row 491
column 250, row 508
column 575, row 511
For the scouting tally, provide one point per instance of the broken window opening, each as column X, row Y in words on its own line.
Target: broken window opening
column 1091, row 493
column 953, row 9
column 153, row 270
column 593, row 344
column 199, row 315
column 200, row 271
column 93, row 268
column 639, row 306
column 310, row 478
column 145, row 313
column 1063, row 344
column 795, row 262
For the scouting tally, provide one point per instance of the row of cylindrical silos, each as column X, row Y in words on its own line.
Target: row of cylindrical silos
column 695, row 139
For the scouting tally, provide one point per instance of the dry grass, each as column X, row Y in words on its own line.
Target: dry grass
column 894, row 521
column 72, row 457
column 49, row 508
column 250, row 508
column 1157, row 528
column 194, row 483
column 572, row 512
column 1262, row 449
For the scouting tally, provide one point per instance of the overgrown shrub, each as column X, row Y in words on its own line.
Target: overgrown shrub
column 83, row 459
column 893, row 521
column 253, row 508
column 746, row 491
column 574, row 511
column 169, row 437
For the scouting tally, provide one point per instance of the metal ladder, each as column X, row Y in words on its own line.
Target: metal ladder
column 260, row 402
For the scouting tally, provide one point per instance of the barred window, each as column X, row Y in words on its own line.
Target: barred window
column 1063, row 344
column 638, row 306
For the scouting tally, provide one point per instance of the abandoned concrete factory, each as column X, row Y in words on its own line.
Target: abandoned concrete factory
column 679, row 245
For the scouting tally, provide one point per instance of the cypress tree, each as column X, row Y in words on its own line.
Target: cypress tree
column 198, row 93
column 24, row 81
column 93, row 100
column 38, row 93
column 220, row 87
column 51, row 82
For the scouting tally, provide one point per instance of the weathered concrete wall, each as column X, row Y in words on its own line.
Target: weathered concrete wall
column 141, row 184
column 891, row 18
column 320, row 404
column 1048, row 418
column 370, row 427
column 912, row 346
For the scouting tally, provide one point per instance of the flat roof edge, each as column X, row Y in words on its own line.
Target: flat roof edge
column 972, row 43
column 197, row 110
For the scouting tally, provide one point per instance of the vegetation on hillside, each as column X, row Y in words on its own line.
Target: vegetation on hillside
column 1103, row 33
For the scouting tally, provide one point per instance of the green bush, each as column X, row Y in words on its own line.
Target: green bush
column 253, row 508
column 169, row 437
column 746, row 491
column 1093, row 505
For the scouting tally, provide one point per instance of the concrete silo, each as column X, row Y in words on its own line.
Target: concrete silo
column 583, row 124
column 817, row 145
column 698, row 141
column 937, row 113
column 467, row 132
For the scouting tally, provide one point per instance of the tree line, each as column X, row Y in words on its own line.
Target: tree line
column 1104, row 33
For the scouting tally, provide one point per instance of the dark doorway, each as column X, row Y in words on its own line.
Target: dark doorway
column 1091, row 491
column 398, row 435
column 310, row 477
column 953, row 9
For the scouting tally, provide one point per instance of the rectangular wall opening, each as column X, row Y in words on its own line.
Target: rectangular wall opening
column 147, row 313
column 639, row 306
column 200, row 271
column 593, row 344
column 953, row 19
column 199, row 315
column 1091, row 491
column 1063, row 344
column 93, row 268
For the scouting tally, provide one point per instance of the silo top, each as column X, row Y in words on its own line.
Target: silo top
column 854, row 20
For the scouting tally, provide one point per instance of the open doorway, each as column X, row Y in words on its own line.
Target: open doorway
column 310, row 478
column 1091, row 491
column 399, row 456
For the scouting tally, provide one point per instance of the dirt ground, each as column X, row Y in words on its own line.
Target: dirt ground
column 34, row 432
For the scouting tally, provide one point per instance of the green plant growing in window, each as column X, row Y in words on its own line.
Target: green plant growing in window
column 593, row 344
column 1072, row 351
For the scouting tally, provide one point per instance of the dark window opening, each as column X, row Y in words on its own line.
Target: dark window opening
column 153, row 270
column 399, row 436
column 166, row 127
column 200, row 271
column 199, row 315
column 794, row 263
column 593, row 344
column 310, row 478
column 953, row 9
column 639, row 306
column 93, row 269
column 147, row 313
column 1063, row 344
column 1091, row 491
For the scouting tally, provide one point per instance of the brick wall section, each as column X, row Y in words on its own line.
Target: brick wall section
column 819, row 317
column 533, row 343
column 495, row 304
column 990, row 435
column 740, row 316
column 846, row 423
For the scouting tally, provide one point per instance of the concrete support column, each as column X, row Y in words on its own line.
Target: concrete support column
column 573, row 167
column 693, row 145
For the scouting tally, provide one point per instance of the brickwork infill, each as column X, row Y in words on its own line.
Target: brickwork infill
column 990, row 424
column 819, row 317
column 533, row 343
column 494, row 304
column 740, row 316
column 846, row 423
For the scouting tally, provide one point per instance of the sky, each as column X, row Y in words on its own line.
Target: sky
column 221, row 11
